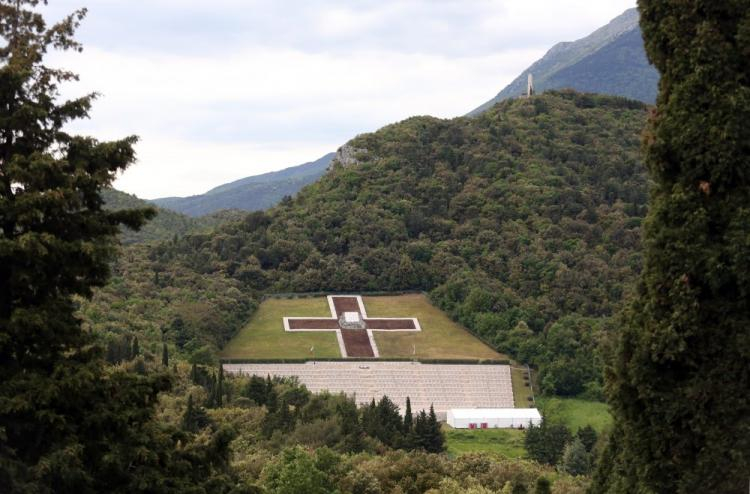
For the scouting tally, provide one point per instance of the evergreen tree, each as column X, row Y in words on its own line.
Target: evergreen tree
column 272, row 401
column 269, row 387
column 67, row 423
column 350, row 427
column 543, row 486
column 546, row 442
column 408, row 419
column 195, row 418
column 370, row 422
column 164, row 355
column 388, row 422
column 220, row 388
column 588, row 437
column 421, row 431
column 136, row 349
column 575, row 459
column 140, row 366
column 188, row 418
column 256, row 390
column 679, row 383
column 210, row 391
column 519, row 488
column 435, row 440
column 194, row 374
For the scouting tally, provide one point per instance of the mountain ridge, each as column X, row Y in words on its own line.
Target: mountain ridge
column 252, row 193
column 570, row 57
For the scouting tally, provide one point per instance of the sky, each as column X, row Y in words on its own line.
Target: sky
column 221, row 90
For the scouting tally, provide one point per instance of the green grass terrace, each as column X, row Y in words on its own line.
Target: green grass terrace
column 264, row 337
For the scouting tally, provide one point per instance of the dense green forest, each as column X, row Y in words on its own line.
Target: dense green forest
column 166, row 224
column 523, row 224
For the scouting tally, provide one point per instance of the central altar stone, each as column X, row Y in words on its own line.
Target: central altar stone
column 352, row 320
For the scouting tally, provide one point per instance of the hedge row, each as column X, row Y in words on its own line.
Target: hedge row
column 423, row 361
column 293, row 295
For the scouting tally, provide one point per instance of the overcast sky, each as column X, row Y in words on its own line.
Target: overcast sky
column 225, row 89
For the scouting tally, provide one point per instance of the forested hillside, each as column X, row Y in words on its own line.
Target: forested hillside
column 166, row 224
column 523, row 224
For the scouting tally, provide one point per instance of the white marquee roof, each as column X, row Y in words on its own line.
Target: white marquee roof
column 495, row 413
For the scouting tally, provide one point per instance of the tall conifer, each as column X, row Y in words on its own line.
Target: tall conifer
column 408, row 418
column 220, row 387
column 680, row 382
column 67, row 424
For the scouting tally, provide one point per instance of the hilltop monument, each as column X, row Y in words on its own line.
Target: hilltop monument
column 530, row 86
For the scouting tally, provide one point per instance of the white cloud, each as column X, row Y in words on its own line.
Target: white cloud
column 276, row 84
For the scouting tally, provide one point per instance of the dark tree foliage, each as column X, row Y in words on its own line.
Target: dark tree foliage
column 679, row 384
column 195, row 417
column 546, row 442
column 256, row 390
column 67, row 423
column 435, row 441
column 408, row 418
column 588, row 437
column 543, row 486
column 136, row 350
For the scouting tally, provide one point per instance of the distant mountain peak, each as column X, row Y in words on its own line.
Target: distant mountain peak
column 579, row 65
column 250, row 193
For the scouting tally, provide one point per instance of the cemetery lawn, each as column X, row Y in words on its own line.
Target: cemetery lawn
column 440, row 337
column 576, row 413
column 505, row 442
column 263, row 337
column 521, row 391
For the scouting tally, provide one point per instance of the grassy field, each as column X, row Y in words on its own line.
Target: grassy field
column 521, row 392
column 576, row 413
column 506, row 442
column 264, row 336
column 440, row 337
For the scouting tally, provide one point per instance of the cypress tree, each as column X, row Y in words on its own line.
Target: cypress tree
column 269, row 386
column 210, row 391
column 256, row 390
column 188, row 418
column 588, row 437
column 370, row 422
column 194, row 374
column 408, row 418
column 136, row 349
column 435, row 440
column 220, row 388
column 421, row 431
column 678, row 386
column 543, row 486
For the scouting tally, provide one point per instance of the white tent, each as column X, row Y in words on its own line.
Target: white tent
column 492, row 418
